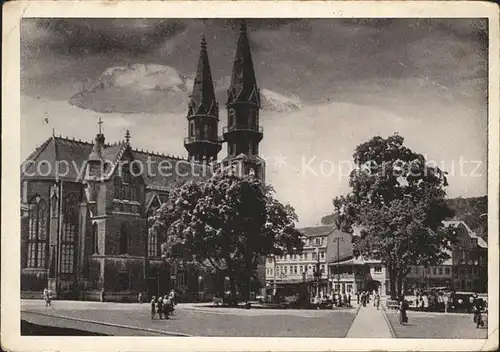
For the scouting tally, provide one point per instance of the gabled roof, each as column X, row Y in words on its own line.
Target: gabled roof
column 456, row 223
column 165, row 170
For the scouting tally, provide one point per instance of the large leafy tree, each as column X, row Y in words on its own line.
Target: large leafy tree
column 225, row 224
column 397, row 201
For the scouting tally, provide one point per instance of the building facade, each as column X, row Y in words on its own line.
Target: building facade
column 465, row 270
column 300, row 268
column 86, row 207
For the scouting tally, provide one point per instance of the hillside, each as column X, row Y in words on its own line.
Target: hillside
column 468, row 210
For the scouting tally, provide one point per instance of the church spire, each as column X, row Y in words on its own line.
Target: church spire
column 243, row 86
column 203, row 96
column 202, row 142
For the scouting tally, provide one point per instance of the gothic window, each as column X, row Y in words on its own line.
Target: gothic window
column 69, row 233
column 126, row 191
column 191, row 129
column 152, row 243
column 251, row 113
column 124, row 239
column 133, row 192
column 37, row 236
column 231, row 149
column 206, row 132
column 117, row 187
column 95, row 239
column 126, row 176
column 230, row 117
column 53, row 206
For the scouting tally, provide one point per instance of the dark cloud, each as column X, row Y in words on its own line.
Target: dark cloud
column 72, row 36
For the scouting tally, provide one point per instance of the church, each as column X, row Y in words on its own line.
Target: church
column 85, row 206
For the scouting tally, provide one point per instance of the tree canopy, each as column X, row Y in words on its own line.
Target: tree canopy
column 398, row 203
column 226, row 223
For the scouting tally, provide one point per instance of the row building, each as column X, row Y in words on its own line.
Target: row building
column 327, row 265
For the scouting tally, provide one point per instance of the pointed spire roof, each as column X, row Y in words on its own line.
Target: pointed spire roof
column 203, row 96
column 243, row 83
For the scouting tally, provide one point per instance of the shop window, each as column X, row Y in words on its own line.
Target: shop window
column 378, row 269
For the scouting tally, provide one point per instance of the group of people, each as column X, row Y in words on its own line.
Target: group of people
column 163, row 306
column 426, row 301
column 47, row 297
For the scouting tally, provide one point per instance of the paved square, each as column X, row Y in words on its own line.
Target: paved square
column 205, row 321
column 436, row 326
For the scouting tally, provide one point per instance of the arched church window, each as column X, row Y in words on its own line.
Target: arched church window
column 251, row 114
column 231, row 117
column 126, row 176
column 206, row 132
column 37, row 236
column 69, row 233
column 117, row 187
column 125, row 191
column 95, row 239
column 124, row 239
column 54, row 205
column 191, row 129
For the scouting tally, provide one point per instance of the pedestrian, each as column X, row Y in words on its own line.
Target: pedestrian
column 102, row 295
column 49, row 297
column 167, row 306
column 349, row 299
column 159, row 307
column 403, row 317
column 376, row 300
column 478, row 306
column 153, row 307
column 446, row 299
column 425, row 304
column 173, row 297
column 139, row 297
column 45, row 296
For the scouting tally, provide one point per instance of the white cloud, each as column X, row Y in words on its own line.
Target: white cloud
column 143, row 77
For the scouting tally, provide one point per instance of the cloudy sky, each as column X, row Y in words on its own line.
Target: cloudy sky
column 328, row 85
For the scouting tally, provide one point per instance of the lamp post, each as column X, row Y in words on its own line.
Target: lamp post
column 200, row 294
column 338, row 239
column 317, row 272
column 274, row 276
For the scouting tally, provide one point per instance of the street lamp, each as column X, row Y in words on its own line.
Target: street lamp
column 338, row 239
column 317, row 272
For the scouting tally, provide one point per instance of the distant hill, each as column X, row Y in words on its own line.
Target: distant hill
column 468, row 210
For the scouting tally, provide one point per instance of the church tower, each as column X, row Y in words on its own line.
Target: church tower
column 243, row 133
column 202, row 142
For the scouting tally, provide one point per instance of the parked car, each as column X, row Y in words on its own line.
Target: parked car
column 461, row 302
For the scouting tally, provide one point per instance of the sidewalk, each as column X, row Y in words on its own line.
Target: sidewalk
column 370, row 323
